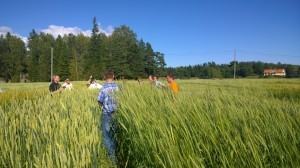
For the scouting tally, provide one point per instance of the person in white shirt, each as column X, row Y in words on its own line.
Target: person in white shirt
column 67, row 85
column 95, row 85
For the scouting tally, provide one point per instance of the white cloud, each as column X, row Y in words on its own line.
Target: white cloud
column 5, row 29
column 61, row 30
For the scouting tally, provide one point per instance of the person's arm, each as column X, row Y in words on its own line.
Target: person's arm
column 161, row 85
column 51, row 88
column 101, row 98
column 58, row 90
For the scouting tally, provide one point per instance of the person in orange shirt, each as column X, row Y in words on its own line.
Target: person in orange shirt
column 173, row 84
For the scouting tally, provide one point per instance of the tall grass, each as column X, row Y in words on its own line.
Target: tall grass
column 52, row 131
column 225, row 123
column 211, row 126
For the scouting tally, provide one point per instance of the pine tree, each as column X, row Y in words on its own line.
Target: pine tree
column 4, row 52
column 82, row 49
column 33, row 61
column 61, row 60
column 150, row 59
column 79, row 56
column 46, row 42
column 95, row 63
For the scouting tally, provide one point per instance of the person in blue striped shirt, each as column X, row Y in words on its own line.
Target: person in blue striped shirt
column 108, row 102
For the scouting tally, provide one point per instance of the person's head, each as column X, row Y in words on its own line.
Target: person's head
column 68, row 81
column 170, row 78
column 109, row 75
column 55, row 78
column 93, row 80
column 155, row 78
column 151, row 78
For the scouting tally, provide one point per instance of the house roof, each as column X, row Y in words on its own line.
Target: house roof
column 274, row 71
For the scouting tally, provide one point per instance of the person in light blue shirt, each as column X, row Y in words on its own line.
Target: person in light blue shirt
column 108, row 102
column 153, row 79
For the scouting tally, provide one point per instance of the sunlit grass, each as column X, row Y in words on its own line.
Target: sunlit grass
column 211, row 123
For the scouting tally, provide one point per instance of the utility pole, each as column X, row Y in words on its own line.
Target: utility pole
column 51, row 63
column 234, row 65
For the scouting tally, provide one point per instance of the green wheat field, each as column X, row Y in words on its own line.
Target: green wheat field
column 211, row 123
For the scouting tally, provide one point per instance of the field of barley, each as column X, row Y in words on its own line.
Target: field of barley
column 210, row 123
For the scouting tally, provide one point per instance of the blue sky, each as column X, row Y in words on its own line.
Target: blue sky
column 188, row 32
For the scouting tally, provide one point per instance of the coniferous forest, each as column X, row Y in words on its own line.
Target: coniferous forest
column 78, row 56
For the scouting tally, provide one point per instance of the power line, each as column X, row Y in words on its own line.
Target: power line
column 198, row 53
column 238, row 51
column 270, row 54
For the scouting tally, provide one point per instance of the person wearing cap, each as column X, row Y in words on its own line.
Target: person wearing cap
column 67, row 85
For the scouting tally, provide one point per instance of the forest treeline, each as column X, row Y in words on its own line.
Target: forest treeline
column 243, row 69
column 78, row 56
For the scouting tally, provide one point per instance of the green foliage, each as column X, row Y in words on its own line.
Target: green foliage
column 78, row 57
column 211, row 123
column 243, row 69
column 40, row 130
column 94, row 61
column 12, row 57
column 253, row 123
column 33, row 60
column 61, row 63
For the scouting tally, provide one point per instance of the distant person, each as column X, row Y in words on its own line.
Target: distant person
column 109, row 104
column 94, row 84
column 55, row 87
column 153, row 79
column 1, row 90
column 90, row 81
column 173, row 84
column 67, row 85
column 139, row 80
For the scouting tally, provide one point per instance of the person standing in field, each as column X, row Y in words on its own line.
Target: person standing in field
column 173, row 84
column 158, row 84
column 108, row 103
column 89, row 81
column 68, row 85
column 94, row 85
column 153, row 79
column 55, row 87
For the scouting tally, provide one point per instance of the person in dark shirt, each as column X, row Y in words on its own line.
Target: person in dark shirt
column 55, row 87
